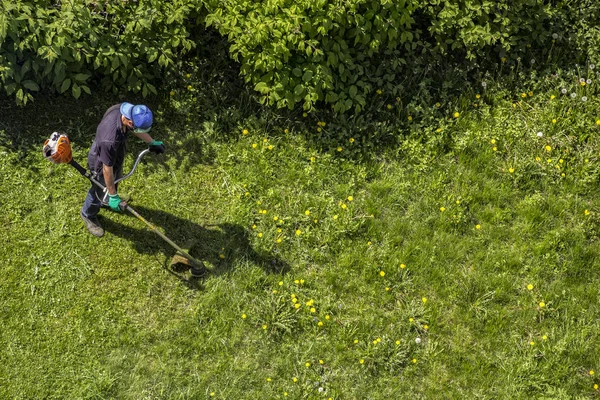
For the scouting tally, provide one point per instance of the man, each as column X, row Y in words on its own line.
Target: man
column 108, row 153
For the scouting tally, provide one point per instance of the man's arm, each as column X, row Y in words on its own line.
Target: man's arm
column 109, row 179
column 145, row 137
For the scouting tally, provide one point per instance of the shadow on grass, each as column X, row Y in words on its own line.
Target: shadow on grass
column 221, row 246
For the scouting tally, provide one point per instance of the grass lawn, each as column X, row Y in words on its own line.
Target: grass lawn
column 455, row 259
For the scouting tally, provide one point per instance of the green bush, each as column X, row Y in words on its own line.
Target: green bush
column 339, row 52
column 67, row 46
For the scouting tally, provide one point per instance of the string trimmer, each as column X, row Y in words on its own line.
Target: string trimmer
column 57, row 149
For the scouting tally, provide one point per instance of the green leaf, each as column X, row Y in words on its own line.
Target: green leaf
column 76, row 90
column 82, row 77
column 353, row 91
column 307, row 75
column 86, row 89
column 31, row 85
column 297, row 72
column 65, row 85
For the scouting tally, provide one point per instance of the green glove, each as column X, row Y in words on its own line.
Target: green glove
column 157, row 147
column 113, row 202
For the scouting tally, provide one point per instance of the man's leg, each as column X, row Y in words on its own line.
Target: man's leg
column 90, row 210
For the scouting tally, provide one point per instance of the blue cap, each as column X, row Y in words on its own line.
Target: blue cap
column 139, row 114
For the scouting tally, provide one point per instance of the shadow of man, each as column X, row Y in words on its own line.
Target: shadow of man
column 221, row 246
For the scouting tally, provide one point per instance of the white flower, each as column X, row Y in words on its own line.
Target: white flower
column 484, row 84
column 321, row 390
column 532, row 61
column 581, row 80
column 563, row 91
column 584, row 98
column 592, row 66
column 573, row 95
column 418, row 340
column 540, row 134
column 555, row 36
column 588, row 81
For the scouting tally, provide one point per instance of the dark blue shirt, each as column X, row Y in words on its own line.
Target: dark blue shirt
column 110, row 142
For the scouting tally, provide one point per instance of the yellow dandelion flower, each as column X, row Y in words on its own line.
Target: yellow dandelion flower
column 298, row 232
column 532, row 343
column 344, row 206
column 544, row 337
column 438, row 105
column 172, row 93
column 530, row 287
column 212, row 394
column 270, row 147
column 297, row 305
column 339, row 148
column 312, row 159
column 327, row 317
column 379, row 91
column 530, row 94
column 382, row 273
column 456, row 115
column 410, row 118
column 583, row 83
column 245, row 132
column 387, row 289
column 477, row 226
column 542, row 304
column 402, row 266
column 351, row 140
column 438, row 130
column 389, row 106
column 313, row 310
column 598, row 122
column 511, row 170
column 286, row 131
column 586, row 212
column 552, row 97
column 243, row 316
column 523, row 95
column 355, row 341
column 307, row 212
column 319, row 129
column 361, row 361
column 411, row 319
column 426, row 327
column 548, row 148
column 350, row 198
column 477, row 96
column 260, row 234
column 442, row 209
column 397, row 342
column 592, row 372
column 320, row 323
column 414, row 360
column 335, row 217
column 280, row 283
column 321, row 362
column 554, row 121
column 264, row 327
column 190, row 87
column 495, row 148
column 295, row 379
column 424, row 299
column 595, row 386
column 307, row 364
column 254, row 145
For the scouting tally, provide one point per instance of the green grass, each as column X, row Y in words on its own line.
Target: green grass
column 458, row 229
